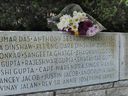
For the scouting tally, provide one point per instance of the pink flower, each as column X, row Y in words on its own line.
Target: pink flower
column 92, row 30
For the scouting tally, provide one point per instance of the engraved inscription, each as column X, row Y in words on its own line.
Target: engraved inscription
column 36, row 61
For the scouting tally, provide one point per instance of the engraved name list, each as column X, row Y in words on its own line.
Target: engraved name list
column 36, row 61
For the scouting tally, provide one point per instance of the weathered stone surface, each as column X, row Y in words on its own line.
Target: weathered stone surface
column 122, row 91
column 98, row 87
column 36, row 61
column 123, row 83
column 89, row 93
column 124, row 57
column 38, row 94
column 86, row 88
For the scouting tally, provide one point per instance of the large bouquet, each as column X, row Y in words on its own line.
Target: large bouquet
column 73, row 20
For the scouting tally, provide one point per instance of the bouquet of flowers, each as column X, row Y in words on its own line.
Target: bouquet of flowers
column 79, row 24
column 73, row 20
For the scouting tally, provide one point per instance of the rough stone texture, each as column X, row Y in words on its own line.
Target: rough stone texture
column 98, row 87
column 86, row 88
column 90, row 93
column 119, row 88
column 37, row 94
column 123, row 91
column 123, row 83
column 124, row 57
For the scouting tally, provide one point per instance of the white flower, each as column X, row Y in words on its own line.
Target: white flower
column 60, row 26
column 64, row 22
column 74, row 13
column 79, row 16
column 65, row 17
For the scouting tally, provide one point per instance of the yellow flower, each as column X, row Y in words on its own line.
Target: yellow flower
column 74, row 28
column 76, row 33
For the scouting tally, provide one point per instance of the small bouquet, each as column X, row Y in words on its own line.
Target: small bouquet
column 78, row 24
column 73, row 20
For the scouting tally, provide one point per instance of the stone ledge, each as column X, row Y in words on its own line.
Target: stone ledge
column 123, row 91
column 38, row 94
column 90, row 93
column 122, row 83
column 86, row 88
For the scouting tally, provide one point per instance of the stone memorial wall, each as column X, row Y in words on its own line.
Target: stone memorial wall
column 124, row 56
column 48, row 61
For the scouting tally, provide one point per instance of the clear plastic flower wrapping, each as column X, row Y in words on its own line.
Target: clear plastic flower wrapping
column 89, row 27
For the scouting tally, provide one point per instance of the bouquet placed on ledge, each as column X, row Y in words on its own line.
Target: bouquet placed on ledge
column 78, row 24
column 73, row 20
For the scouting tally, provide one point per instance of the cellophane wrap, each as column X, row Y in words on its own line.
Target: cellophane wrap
column 69, row 9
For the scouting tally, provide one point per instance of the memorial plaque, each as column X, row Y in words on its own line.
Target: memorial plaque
column 43, row 61
column 123, row 56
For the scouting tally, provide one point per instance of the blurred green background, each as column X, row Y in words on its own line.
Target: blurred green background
column 32, row 14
